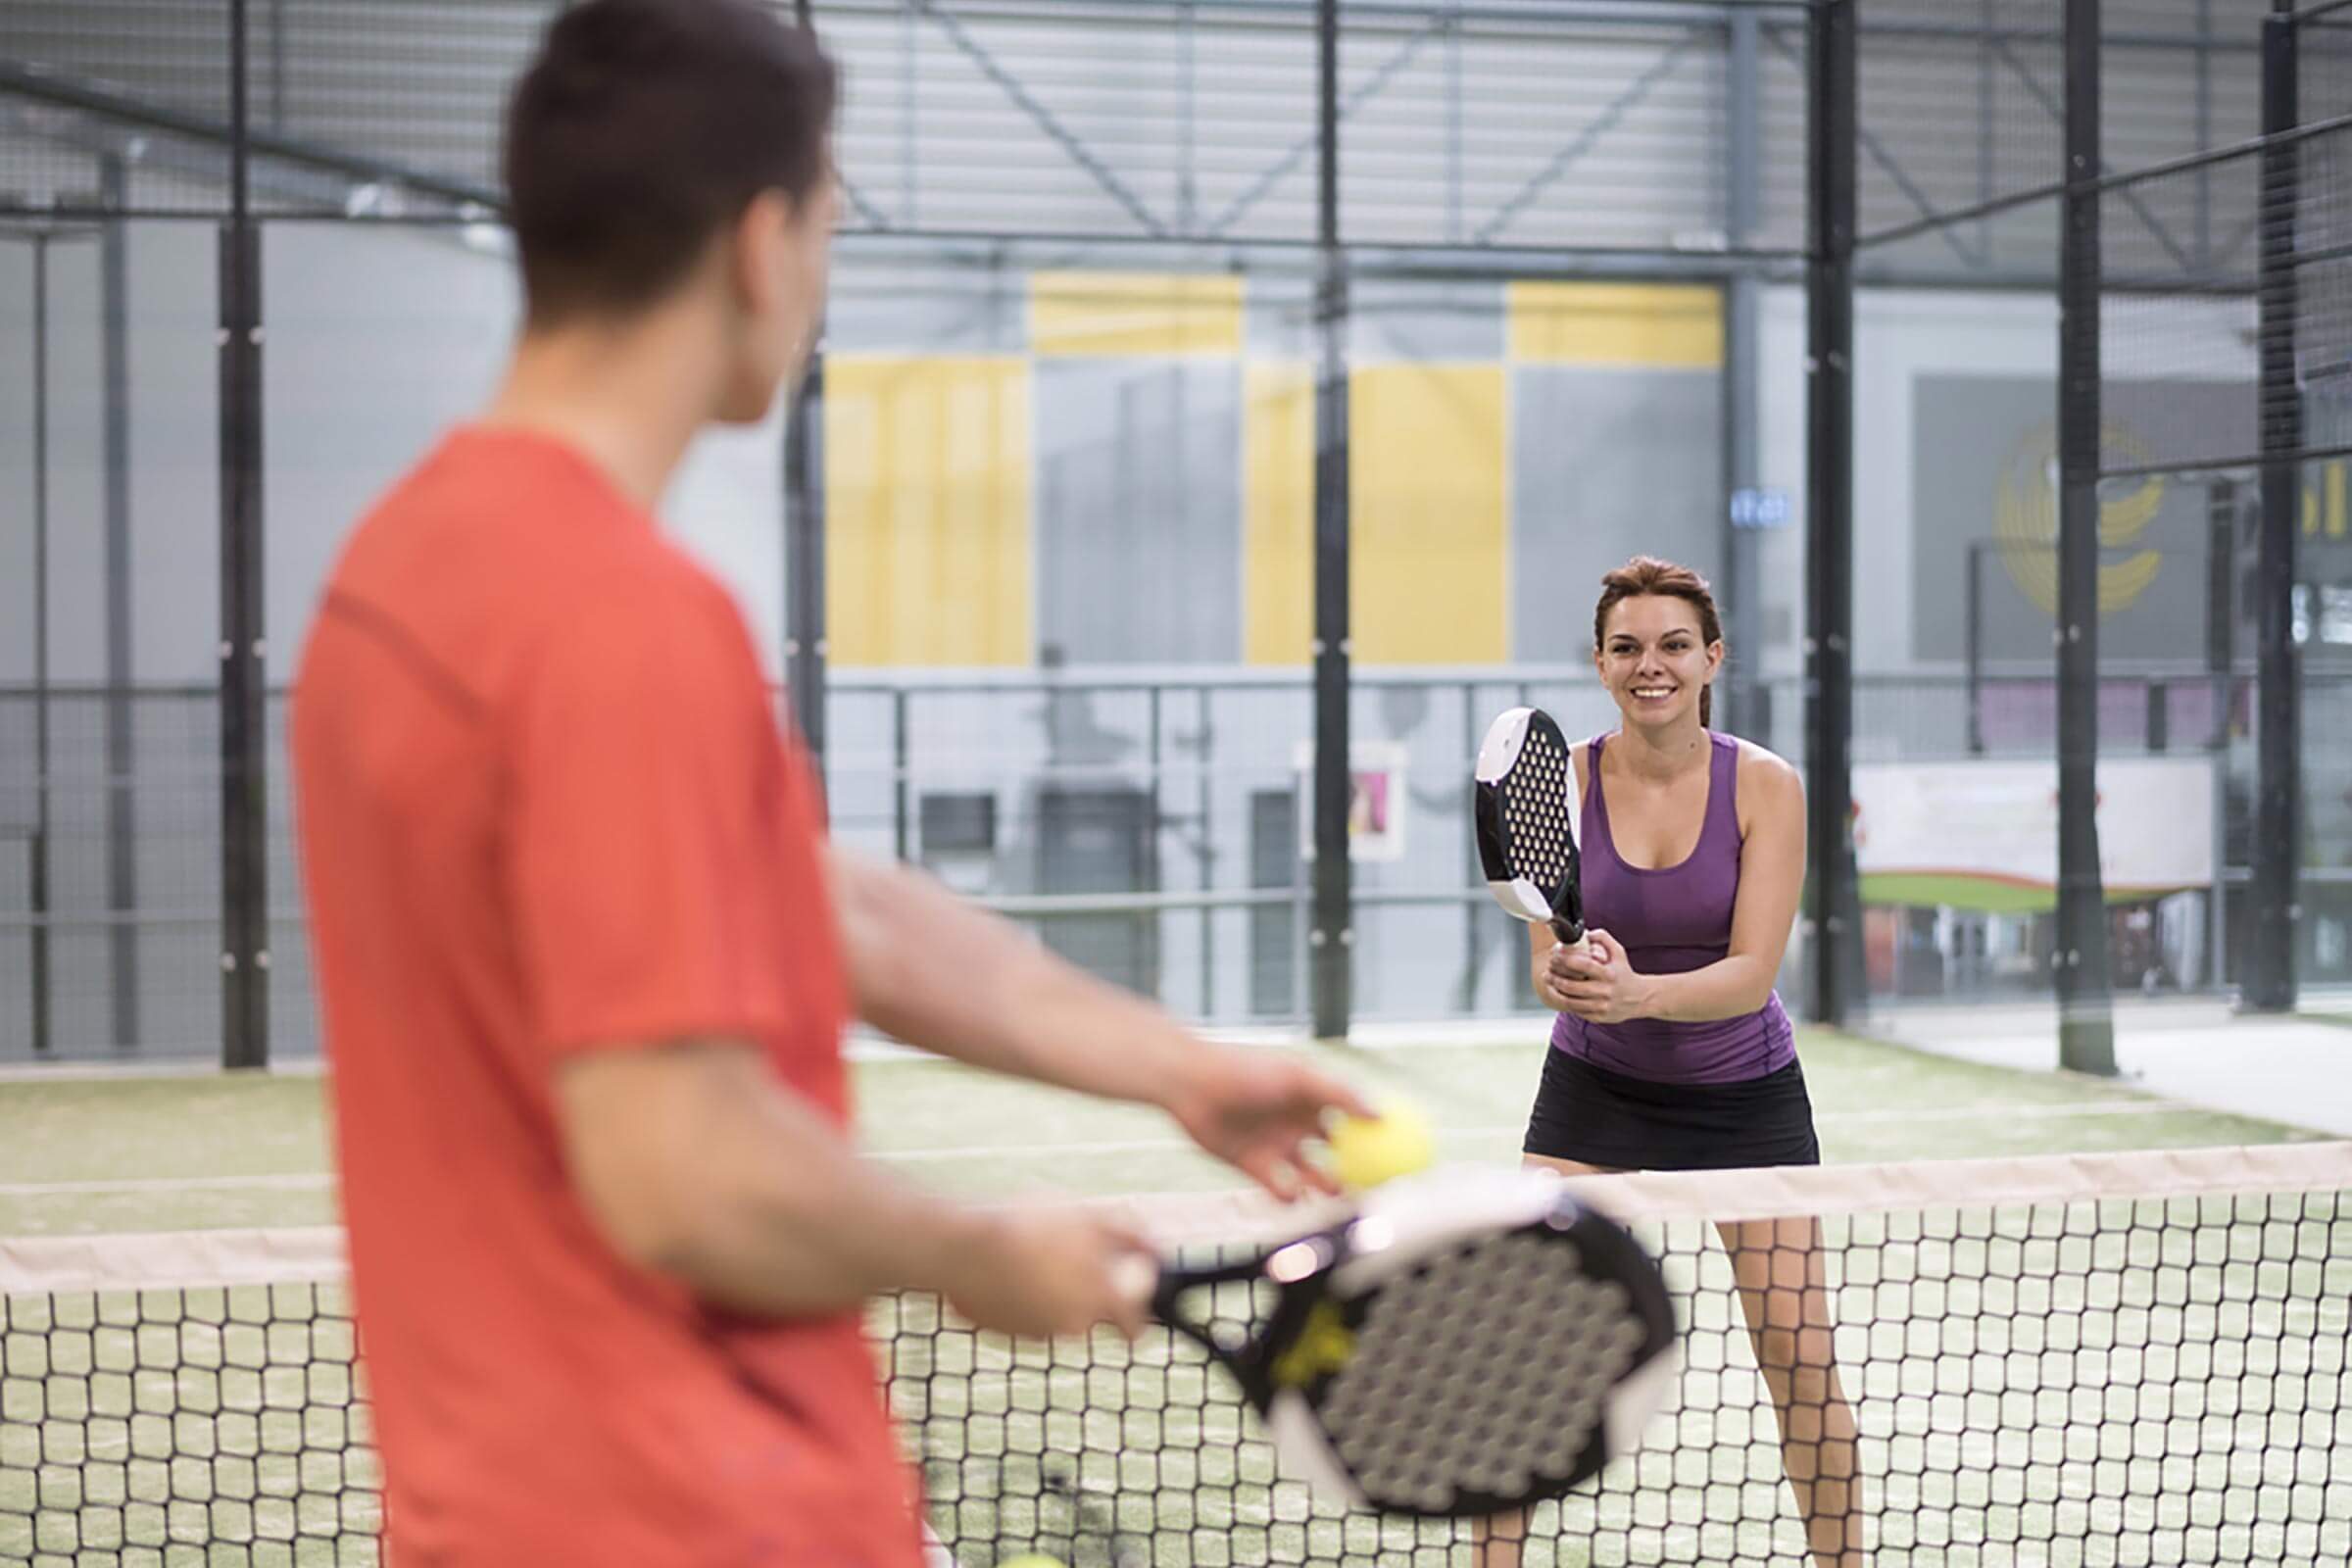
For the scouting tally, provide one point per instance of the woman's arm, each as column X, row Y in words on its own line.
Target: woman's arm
column 1603, row 987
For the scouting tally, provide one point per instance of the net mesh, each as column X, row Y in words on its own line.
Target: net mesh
column 2106, row 1359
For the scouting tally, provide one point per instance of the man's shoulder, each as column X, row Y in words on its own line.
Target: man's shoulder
column 512, row 561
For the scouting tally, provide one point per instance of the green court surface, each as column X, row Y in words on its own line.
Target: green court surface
column 116, row 1155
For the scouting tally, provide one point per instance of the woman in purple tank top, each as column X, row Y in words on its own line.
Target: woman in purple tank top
column 1672, row 1050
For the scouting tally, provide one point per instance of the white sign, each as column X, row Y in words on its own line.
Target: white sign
column 1983, row 835
column 1377, row 800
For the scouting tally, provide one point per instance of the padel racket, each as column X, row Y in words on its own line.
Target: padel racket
column 1525, row 809
column 1458, row 1344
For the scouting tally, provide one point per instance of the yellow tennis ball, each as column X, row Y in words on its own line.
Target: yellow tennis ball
column 1366, row 1150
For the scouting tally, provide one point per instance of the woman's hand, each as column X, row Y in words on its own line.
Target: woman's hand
column 1593, row 980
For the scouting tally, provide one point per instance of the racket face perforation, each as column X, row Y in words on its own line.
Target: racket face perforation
column 1482, row 1376
column 1527, row 809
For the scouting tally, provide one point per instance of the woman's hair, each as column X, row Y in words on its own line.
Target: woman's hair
column 1647, row 574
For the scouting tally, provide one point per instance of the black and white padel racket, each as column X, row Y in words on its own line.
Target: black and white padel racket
column 1525, row 808
column 1460, row 1344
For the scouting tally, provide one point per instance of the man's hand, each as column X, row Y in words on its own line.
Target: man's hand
column 1256, row 1109
column 939, row 973
column 1043, row 1274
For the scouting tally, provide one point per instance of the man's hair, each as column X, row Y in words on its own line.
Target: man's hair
column 644, row 127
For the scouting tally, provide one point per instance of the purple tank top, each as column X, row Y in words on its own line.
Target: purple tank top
column 1671, row 921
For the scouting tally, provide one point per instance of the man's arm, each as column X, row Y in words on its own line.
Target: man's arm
column 694, row 1161
column 938, row 973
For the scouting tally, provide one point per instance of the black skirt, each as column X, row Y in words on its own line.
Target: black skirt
column 1600, row 1117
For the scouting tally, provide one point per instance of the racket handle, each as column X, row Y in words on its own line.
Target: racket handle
column 1570, row 932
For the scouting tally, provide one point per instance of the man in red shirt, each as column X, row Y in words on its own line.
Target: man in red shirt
column 584, row 956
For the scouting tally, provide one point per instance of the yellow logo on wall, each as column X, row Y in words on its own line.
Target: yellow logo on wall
column 2024, row 519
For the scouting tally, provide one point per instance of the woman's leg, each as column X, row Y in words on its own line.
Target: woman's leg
column 1500, row 1541
column 1783, row 1277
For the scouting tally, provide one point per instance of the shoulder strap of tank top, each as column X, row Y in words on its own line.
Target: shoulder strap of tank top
column 1723, row 788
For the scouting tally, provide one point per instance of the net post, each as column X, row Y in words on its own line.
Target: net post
column 2086, row 1017
column 2268, row 968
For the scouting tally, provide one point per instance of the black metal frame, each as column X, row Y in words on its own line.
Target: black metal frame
column 2267, row 968
column 1827, row 265
column 121, row 803
column 2080, row 967
column 1331, row 934
column 804, row 647
column 244, row 696
column 2080, row 962
column 1833, row 900
column 37, row 842
column 37, row 872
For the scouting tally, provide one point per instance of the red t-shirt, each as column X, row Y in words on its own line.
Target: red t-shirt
column 545, row 809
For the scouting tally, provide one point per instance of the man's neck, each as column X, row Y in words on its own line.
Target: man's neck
column 628, row 398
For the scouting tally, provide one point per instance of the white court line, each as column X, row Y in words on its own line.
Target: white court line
column 316, row 1182
column 289, row 1182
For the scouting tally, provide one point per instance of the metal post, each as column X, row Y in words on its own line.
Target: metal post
column 898, row 771
column 2268, row 960
column 805, row 639
column 1154, row 923
column 2086, row 1017
column 2220, row 664
column 1987, row 60
column 244, row 689
column 1331, row 939
column 1453, row 122
column 277, row 64
column 1742, row 318
column 1188, row 96
column 1467, row 999
column 37, row 872
column 122, row 763
column 1206, row 860
column 1831, row 908
column 1975, row 632
column 2204, row 218
column 2221, row 604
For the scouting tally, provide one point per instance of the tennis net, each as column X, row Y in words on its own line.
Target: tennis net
column 2105, row 1359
